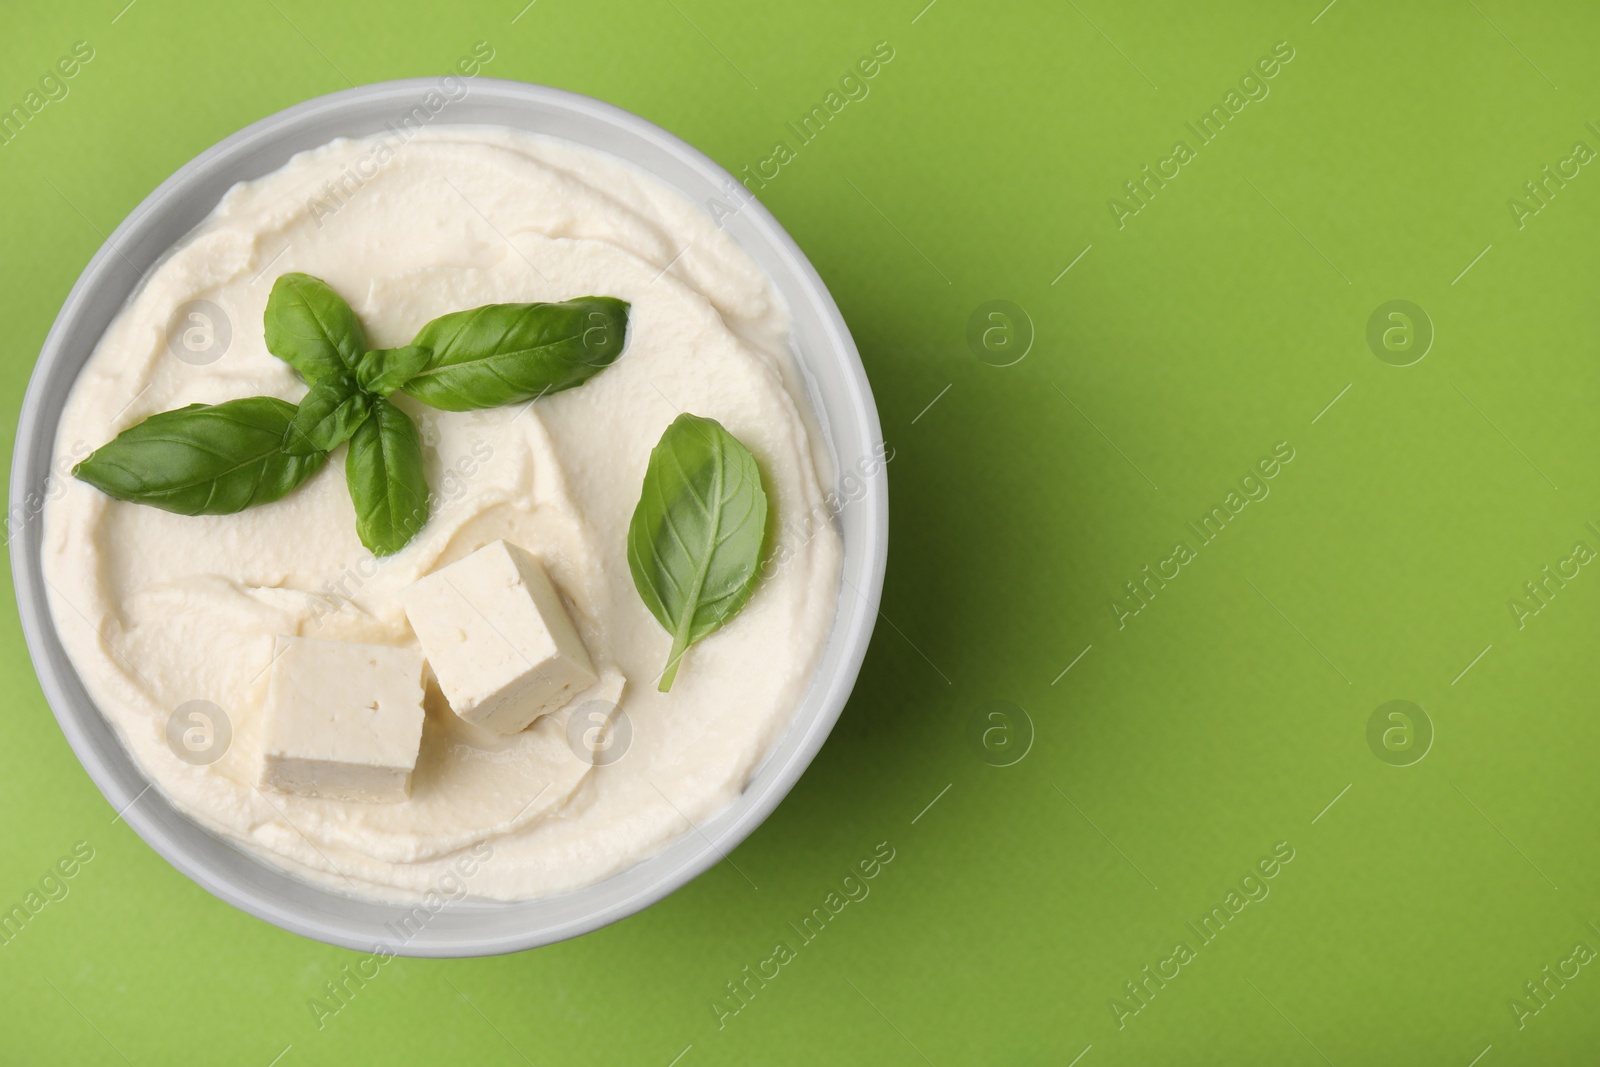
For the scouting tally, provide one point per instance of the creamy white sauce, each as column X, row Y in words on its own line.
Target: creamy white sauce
column 157, row 610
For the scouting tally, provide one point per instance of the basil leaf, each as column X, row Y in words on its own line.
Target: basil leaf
column 311, row 328
column 508, row 353
column 205, row 459
column 384, row 471
column 383, row 370
column 327, row 417
column 696, row 536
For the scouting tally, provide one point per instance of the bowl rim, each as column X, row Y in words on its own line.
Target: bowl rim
column 852, row 626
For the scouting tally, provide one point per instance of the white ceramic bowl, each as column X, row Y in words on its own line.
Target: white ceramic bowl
column 840, row 393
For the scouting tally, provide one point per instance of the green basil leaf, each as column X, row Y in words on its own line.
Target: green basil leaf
column 509, row 353
column 327, row 417
column 311, row 328
column 205, row 459
column 387, row 485
column 383, row 370
column 695, row 540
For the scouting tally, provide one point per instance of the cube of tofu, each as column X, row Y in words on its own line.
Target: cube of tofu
column 498, row 638
column 343, row 721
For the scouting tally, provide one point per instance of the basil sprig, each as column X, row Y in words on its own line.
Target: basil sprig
column 223, row 458
column 205, row 459
column 696, row 536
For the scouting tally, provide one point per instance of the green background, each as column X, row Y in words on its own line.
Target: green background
column 1186, row 743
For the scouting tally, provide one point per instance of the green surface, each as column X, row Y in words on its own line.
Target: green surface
column 1179, row 750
